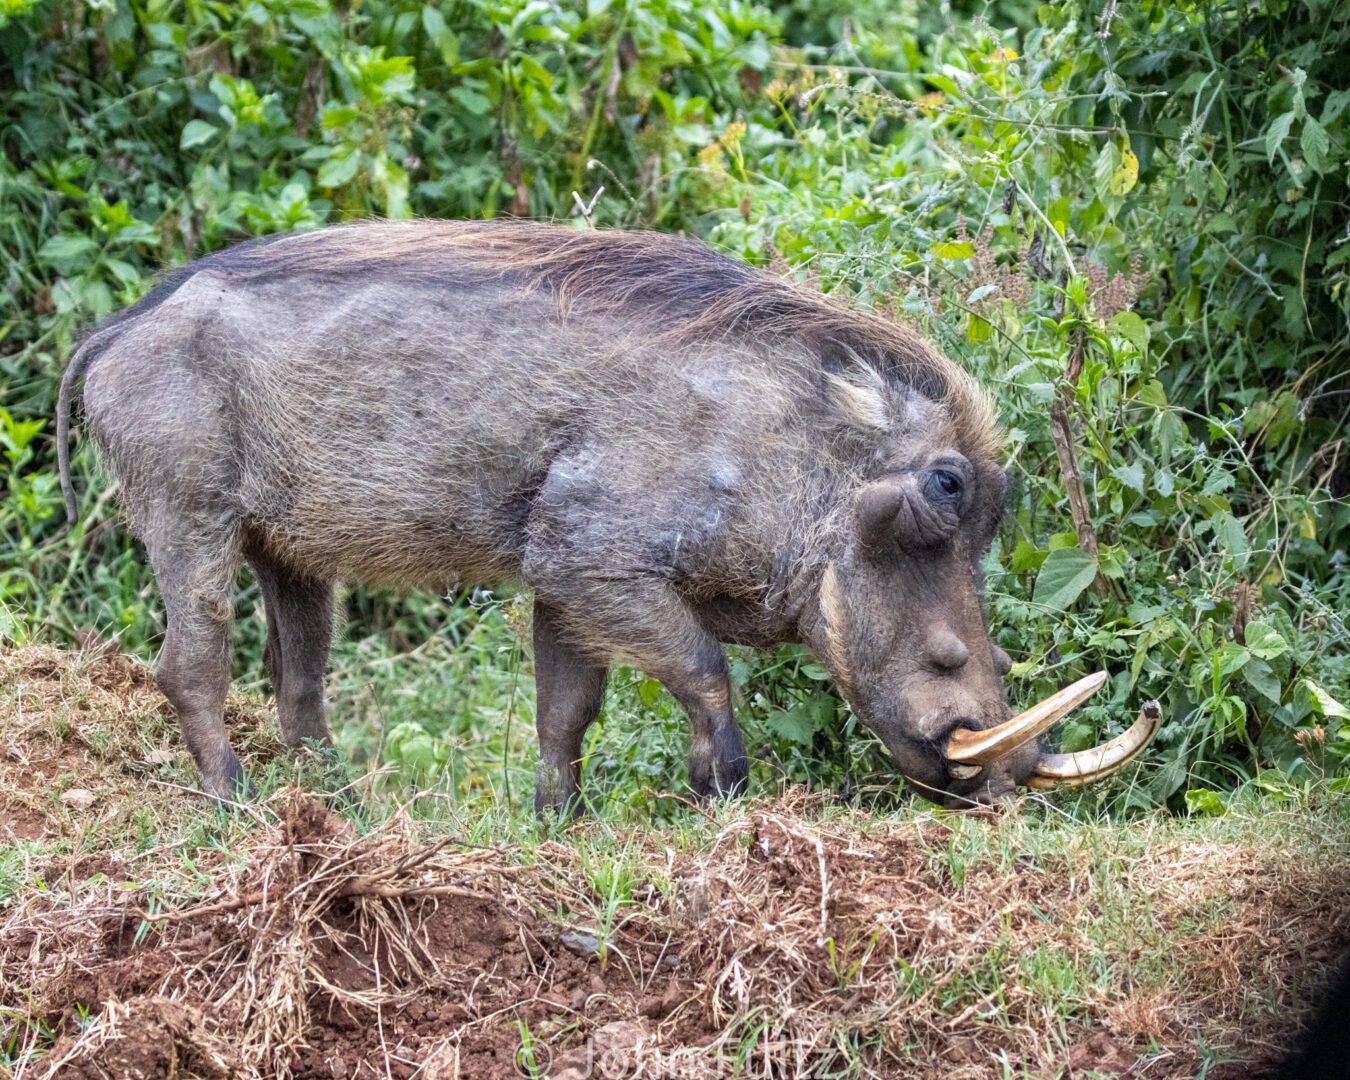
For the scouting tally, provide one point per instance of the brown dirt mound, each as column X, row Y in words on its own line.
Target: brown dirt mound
column 82, row 736
column 819, row 934
column 782, row 944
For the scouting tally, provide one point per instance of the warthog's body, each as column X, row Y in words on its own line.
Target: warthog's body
column 669, row 448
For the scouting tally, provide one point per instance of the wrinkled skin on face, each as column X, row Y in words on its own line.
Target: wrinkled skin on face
column 901, row 622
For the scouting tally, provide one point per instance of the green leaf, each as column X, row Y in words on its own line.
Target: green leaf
column 1205, row 801
column 793, row 724
column 1026, row 556
column 953, row 249
column 1058, row 213
column 123, row 271
column 196, row 132
column 1277, row 133
column 1264, row 641
column 339, row 168
column 67, row 253
column 1151, row 392
column 433, row 22
column 1324, row 703
column 1230, row 536
column 1230, row 657
column 978, row 329
column 1077, row 735
column 1063, row 577
column 472, row 100
column 801, row 722
column 336, row 116
column 1108, row 161
column 392, row 182
column 1126, row 175
column 1314, row 142
column 1334, row 105
column 96, row 296
column 649, row 690
column 1132, row 328
column 15, row 435
column 1261, row 678
column 1131, row 475
column 410, row 744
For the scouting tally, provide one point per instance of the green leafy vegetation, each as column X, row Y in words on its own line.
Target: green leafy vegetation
column 1130, row 222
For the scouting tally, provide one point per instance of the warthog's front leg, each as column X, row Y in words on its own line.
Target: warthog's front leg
column 717, row 759
column 569, row 689
column 604, row 571
column 656, row 631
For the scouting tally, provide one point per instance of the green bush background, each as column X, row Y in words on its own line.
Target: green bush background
column 1150, row 198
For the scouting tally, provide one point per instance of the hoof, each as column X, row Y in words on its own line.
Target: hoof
column 554, row 797
column 721, row 779
column 226, row 784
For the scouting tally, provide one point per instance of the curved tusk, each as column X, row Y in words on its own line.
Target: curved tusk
column 1089, row 765
column 970, row 747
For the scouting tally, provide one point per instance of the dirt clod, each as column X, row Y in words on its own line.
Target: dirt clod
column 79, row 798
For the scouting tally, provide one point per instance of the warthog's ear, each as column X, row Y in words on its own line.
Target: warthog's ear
column 856, row 390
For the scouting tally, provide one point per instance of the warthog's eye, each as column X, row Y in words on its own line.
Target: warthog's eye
column 944, row 486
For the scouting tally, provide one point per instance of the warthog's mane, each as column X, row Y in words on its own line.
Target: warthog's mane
column 656, row 283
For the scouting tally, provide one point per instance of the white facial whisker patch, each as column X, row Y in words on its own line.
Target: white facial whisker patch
column 833, row 612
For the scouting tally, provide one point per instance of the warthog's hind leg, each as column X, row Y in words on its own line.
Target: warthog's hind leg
column 195, row 569
column 299, row 632
column 569, row 689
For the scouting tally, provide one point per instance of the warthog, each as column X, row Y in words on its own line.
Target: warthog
column 670, row 448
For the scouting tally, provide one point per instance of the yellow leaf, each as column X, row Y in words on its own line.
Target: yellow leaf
column 977, row 329
column 953, row 249
column 1126, row 174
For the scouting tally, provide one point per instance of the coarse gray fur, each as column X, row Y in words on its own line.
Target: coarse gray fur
column 671, row 449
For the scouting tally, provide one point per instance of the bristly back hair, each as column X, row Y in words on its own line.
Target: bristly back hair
column 682, row 287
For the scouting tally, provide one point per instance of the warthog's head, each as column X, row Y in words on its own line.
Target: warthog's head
column 900, row 622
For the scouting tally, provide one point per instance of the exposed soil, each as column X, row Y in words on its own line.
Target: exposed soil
column 783, row 943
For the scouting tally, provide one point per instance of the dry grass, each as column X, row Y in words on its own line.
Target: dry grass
column 146, row 934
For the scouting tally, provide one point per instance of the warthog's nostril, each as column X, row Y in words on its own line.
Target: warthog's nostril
column 947, row 651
